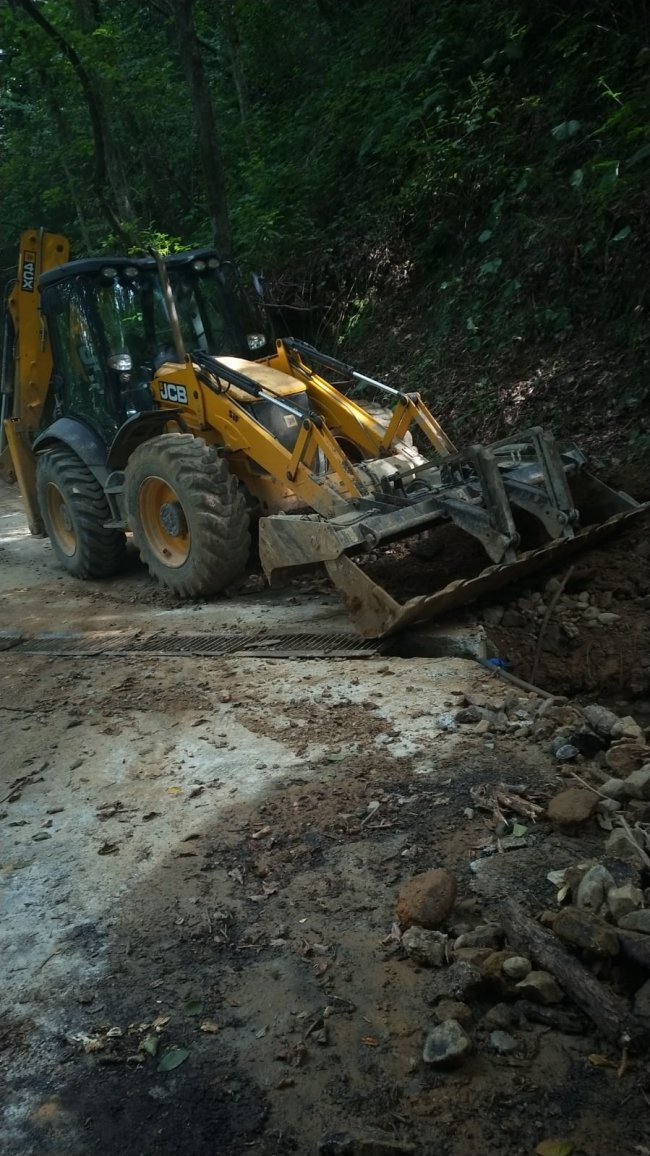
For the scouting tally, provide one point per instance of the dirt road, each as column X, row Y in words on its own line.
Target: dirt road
column 199, row 864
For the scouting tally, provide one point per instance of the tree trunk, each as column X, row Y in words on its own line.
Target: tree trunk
column 211, row 160
column 233, row 39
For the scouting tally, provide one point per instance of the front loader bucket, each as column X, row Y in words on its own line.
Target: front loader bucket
column 288, row 542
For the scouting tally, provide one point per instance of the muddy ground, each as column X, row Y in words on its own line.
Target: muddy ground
column 199, row 863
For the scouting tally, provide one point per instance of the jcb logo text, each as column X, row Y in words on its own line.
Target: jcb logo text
column 170, row 392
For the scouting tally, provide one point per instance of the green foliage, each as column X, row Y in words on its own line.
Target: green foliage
column 487, row 160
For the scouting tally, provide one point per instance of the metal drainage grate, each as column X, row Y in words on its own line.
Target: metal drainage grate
column 251, row 644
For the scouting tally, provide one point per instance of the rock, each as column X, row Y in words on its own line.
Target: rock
column 474, row 955
column 453, row 1009
column 482, row 727
column 516, row 967
column 428, row 948
column 609, row 807
column 572, row 806
column 623, row 758
column 600, row 719
column 458, row 981
column 502, row 1042
column 638, row 811
column 447, row 1045
column 636, row 946
column 637, row 785
column 620, row 846
column 493, row 966
column 627, row 728
column 614, row 789
column 636, row 921
column 566, row 752
column 336, row 1144
column 622, row 900
column 426, row 899
column 584, row 930
column 499, row 1017
column 513, row 618
column 485, row 935
column 642, row 1000
column 540, row 987
column 593, row 888
column 468, row 714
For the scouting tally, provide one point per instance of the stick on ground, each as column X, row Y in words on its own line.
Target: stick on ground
column 608, row 1012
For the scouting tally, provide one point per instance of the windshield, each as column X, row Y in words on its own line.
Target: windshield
column 214, row 317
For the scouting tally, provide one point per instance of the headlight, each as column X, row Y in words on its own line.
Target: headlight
column 255, row 340
column 121, row 362
column 109, row 272
column 130, row 271
column 199, row 266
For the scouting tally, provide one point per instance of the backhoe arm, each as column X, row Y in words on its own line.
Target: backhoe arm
column 26, row 365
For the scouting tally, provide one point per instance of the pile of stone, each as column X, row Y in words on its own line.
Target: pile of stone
column 601, row 931
column 587, row 608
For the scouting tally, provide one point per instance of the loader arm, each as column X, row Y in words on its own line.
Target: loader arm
column 26, row 365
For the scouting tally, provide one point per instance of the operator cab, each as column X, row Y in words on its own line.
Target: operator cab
column 107, row 321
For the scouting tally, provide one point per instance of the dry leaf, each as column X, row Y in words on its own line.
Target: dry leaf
column 209, row 1026
column 370, row 1041
column 599, row 1061
column 555, row 1148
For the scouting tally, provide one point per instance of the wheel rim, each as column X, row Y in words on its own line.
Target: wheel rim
column 163, row 522
column 60, row 520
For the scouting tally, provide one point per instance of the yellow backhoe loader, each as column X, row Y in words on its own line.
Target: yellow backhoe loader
column 137, row 396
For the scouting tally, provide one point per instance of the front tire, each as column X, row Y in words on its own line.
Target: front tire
column 74, row 510
column 188, row 517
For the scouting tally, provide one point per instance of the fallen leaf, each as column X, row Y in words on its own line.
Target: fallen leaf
column 193, row 1007
column 555, row 1148
column 519, row 829
column 173, row 1059
column 209, row 1026
column 599, row 1061
column 160, row 1022
column 150, row 1045
column 370, row 1041
column 174, row 790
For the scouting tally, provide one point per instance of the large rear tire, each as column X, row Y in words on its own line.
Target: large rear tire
column 74, row 510
column 187, row 514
